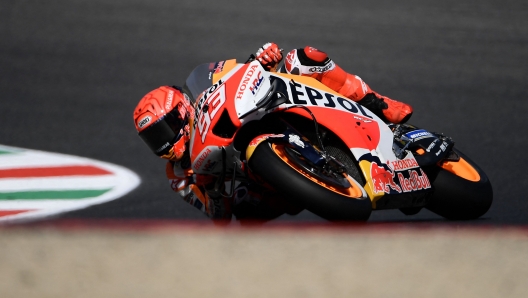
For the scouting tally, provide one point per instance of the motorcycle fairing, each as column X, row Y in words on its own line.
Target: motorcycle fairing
column 222, row 68
column 394, row 177
column 257, row 140
column 303, row 146
column 237, row 86
column 239, row 89
column 252, row 88
column 368, row 137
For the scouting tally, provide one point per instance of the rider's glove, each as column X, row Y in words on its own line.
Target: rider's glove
column 269, row 55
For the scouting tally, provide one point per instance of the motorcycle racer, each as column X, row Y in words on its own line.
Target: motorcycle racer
column 162, row 120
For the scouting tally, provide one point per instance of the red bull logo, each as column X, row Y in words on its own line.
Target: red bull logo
column 263, row 137
column 415, row 181
column 219, row 67
column 382, row 179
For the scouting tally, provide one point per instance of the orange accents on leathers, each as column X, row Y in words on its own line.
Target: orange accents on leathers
column 347, row 84
column 397, row 111
column 336, row 78
column 353, row 87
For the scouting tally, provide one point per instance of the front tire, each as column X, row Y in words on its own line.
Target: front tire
column 461, row 194
column 271, row 162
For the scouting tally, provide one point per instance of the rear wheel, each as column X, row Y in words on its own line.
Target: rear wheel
column 330, row 195
column 461, row 190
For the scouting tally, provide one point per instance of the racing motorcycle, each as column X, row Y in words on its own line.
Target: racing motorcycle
column 324, row 152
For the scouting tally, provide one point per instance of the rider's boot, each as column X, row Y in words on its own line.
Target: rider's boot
column 387, row 109
column 314, row 63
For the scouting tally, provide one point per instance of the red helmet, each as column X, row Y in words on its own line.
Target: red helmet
column 162, row 121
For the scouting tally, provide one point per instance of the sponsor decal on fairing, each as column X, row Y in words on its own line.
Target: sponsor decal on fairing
column 263, row 137
column 208, row 108
column 200, row 102
column 256, row 83
column 396, row 177
column 245, row 81
column 418, row 135
column 219, row 67
column 403, row 164
column 383, row 179
column 209, row 166
column 415, row 180
column 256, row 141
column 202, row 157
column 363, row 119
column 432, row 145
column 305, row 95
column 443, row 148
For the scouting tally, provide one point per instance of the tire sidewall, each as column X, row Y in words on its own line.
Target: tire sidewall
column 459, row 199
column 302, row 191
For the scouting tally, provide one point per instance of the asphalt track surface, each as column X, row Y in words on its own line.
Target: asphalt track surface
column 71, row 73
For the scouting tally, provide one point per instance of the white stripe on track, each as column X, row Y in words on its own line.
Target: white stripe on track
column 39, row 204
column 58, row 183
column 124, row 181
column 30, row 159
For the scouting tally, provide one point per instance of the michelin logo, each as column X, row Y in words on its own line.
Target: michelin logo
column 418, row 134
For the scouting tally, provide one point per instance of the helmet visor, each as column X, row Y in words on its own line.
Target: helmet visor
column 161, row 136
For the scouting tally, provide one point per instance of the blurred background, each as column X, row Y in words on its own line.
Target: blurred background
column 72, row 71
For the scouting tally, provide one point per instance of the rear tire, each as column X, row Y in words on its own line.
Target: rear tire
column 457, row 198
column 272, row 165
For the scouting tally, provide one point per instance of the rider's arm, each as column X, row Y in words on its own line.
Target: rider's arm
column 180, row 180
column 314, row 63
column 190, row 187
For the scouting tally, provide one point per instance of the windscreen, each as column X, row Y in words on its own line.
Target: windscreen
column 199, row 79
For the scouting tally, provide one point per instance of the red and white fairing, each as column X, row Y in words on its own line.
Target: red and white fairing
column 238, row 92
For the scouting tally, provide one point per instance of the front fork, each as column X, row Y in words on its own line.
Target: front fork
column 298, row 143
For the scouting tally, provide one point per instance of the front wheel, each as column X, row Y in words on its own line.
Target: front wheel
column 326, row 196
column 462, row 190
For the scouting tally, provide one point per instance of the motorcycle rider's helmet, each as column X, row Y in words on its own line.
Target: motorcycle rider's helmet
column 162, row 121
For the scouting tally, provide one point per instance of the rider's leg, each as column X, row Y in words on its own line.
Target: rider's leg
column 314, row 63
